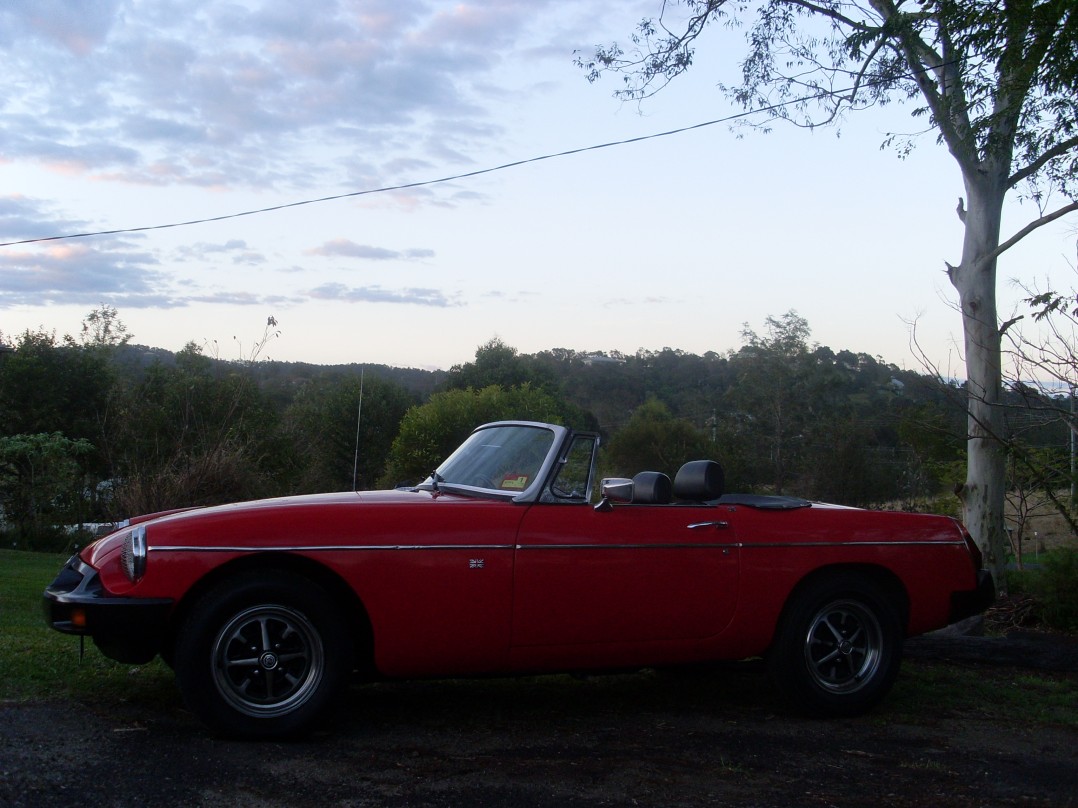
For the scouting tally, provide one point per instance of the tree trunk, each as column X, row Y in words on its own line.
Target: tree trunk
column 984, row 491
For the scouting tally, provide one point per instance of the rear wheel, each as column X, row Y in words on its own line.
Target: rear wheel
column 838, row 649
column 263, row 655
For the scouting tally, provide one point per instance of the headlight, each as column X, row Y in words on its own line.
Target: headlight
column 133, row 554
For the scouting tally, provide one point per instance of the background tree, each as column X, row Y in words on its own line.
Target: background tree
column 41, row 485
column 1033, row 475
column 197, row 433
column 322, row 427
column 996, row 81
column 189, row 429
column 1042, row 416
column 499, row 364
column 428, row 433
column 54, row 385
column 654, row 440
column 770, row 405
column 103, row 328
column 934, row 438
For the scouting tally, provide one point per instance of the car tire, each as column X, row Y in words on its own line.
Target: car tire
column 838, row 647
column 262, row 656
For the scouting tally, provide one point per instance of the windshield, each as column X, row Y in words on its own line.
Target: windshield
column 502, row 458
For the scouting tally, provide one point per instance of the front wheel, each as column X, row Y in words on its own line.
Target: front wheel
column 838, row 649
column 262, row 656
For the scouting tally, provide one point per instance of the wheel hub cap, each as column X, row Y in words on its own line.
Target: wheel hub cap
column 268, row 661
column 843, row 646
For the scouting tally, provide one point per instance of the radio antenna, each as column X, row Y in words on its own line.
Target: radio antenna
column 359, row 419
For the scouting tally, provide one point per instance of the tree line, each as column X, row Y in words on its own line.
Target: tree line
column 95, row 428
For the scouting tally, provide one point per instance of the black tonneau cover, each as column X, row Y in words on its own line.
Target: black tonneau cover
column 767, row 502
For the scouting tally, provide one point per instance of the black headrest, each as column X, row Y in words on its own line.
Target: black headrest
column 652, row 488
column 699, row 481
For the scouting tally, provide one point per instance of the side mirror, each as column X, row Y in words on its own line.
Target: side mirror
column 614, row 489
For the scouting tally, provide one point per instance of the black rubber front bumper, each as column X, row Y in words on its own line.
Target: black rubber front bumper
column 968, row 603
column 128, row 630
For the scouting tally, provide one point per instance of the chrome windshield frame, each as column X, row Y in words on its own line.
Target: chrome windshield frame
column 532, row 493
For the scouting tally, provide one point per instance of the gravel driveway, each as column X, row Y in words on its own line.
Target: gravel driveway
column 713, row 736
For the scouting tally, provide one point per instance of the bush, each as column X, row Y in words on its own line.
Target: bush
column 44, row 539
column 1058, row 589
column 1053, row 586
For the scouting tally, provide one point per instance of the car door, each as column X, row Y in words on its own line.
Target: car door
column 438, row 586
column 633, row 575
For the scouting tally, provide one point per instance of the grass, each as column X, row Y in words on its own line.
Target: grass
column 930, row 691
column 38, row 663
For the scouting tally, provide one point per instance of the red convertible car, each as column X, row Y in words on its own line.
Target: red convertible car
column 500, row 562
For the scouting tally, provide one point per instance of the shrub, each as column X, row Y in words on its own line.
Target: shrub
column 1057, row 589
column 1053, row 586
column 42, row 539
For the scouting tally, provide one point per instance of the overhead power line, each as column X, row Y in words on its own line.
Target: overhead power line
column 424, row 183
column 369, row 191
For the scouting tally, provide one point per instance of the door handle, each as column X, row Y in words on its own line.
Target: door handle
column 716, row 525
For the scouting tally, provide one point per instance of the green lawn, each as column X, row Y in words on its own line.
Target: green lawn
column 38, row 663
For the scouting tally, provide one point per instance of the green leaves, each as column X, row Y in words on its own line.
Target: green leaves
column 429, row 433
column 655, row 440
column 41, row 480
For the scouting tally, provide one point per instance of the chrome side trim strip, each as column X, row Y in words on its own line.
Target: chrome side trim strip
column 911, row 543
column 738, row 545
column 649, row 546
column 315, row 548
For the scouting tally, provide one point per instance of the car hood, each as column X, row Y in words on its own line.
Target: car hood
column 307, row 520
column 277, row 504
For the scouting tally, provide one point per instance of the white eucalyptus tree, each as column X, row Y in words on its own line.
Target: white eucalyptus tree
column 996, row 80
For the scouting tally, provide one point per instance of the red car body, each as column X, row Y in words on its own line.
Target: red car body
column 499, row 563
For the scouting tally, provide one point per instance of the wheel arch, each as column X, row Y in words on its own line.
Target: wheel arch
column 342, row 595
column 876, row 574
column 837, row 646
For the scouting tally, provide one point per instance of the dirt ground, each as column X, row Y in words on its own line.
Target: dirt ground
column 687, row 738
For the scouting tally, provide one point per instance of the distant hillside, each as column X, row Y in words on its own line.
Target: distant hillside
column 135, row 359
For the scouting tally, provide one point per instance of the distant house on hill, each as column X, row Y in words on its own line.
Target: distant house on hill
column 598, row 359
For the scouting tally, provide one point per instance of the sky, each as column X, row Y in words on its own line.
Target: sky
column 123, row 114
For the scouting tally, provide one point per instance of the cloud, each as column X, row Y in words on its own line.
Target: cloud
column 24, row 218
column 649, row 300
column 236, row 298
column 349, row 249
column 78, row 26
column 70, row 272
column 260, row 94
column 116, row 269
column 376, row 294
column 250, row 94
column 236, row 250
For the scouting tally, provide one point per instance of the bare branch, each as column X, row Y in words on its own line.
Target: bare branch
column 1006, row 326
column 1047, row 156
column 831, row 13
column 1025, row 231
